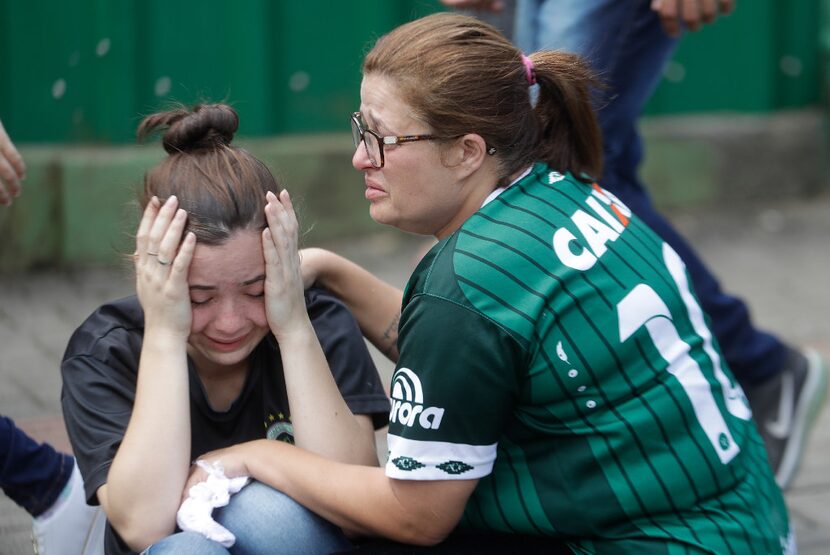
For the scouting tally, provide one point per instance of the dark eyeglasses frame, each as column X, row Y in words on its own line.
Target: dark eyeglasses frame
column 384, row 140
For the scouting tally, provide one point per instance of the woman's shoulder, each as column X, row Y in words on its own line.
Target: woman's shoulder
column 436, row 277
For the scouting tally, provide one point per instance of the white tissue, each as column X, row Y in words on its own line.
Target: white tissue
column 195, row 513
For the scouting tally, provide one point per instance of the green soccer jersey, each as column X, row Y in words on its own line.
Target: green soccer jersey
column 553, row 349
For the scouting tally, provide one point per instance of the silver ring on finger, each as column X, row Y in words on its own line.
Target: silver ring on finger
column 163, row 262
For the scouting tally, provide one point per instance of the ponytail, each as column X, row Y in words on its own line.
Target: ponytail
column 571, row 139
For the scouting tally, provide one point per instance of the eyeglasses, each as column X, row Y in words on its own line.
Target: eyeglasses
column 373, row 143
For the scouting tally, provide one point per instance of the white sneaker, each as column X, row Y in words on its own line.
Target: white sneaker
column 70, row 526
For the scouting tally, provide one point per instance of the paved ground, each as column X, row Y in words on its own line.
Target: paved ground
column 777, row 256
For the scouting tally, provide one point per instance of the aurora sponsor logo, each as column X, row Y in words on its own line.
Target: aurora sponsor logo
column 408, row 402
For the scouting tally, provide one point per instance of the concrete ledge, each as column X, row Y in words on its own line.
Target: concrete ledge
column 77, row 209
column 718, row 158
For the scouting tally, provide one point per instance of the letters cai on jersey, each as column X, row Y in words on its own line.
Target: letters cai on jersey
column 408, row 402
column 595, row 232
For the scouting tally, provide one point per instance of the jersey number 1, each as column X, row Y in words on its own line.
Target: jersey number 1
column 642, row 307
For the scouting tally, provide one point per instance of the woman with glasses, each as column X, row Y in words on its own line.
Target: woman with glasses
column 220, row 346
column 556, row 386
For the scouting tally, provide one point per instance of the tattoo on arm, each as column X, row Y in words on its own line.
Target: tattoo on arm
column 390, row 335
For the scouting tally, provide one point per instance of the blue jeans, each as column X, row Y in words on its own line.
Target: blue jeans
column 31, row 474
column 626, row 46
column 264, row 521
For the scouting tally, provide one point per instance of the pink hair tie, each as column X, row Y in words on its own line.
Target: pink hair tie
column 530, row 72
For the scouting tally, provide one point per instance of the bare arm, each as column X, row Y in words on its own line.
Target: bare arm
column 375, row 303
column 359, row 499
column 693, row 14
column 322, row 421
column 149, row 470
column 12, row 169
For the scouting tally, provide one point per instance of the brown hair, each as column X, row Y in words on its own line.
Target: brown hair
column 460, row 75
column 222, row 187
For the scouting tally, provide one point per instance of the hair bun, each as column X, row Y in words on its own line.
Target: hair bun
column 207, row 126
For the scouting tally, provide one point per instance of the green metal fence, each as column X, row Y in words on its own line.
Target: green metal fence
column 87, row 70
column 763, row 57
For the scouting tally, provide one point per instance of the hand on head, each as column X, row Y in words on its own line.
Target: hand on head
column 162, row 260
column 689, row 14
column 224, row 189
column 12, row 169
column 284, row 300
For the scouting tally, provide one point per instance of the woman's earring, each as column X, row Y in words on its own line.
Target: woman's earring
column 491, row 151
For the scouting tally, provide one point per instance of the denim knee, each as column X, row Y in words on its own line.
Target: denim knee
column 186, row 543
column 265, row 520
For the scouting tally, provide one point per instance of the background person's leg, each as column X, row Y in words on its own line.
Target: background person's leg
column 32, row 474
column 48, row 485
column 266, row 521
column 69, row 525
column 626, row 46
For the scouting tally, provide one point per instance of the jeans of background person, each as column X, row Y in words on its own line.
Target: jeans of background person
column 32, row 474
column 627, row 47
column 264, row 521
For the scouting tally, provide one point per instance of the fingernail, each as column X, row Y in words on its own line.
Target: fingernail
column 270, row 196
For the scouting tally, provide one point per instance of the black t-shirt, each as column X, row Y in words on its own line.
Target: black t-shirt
column 100, row 367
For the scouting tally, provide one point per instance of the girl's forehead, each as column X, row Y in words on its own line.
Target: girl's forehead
column 237, row 260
